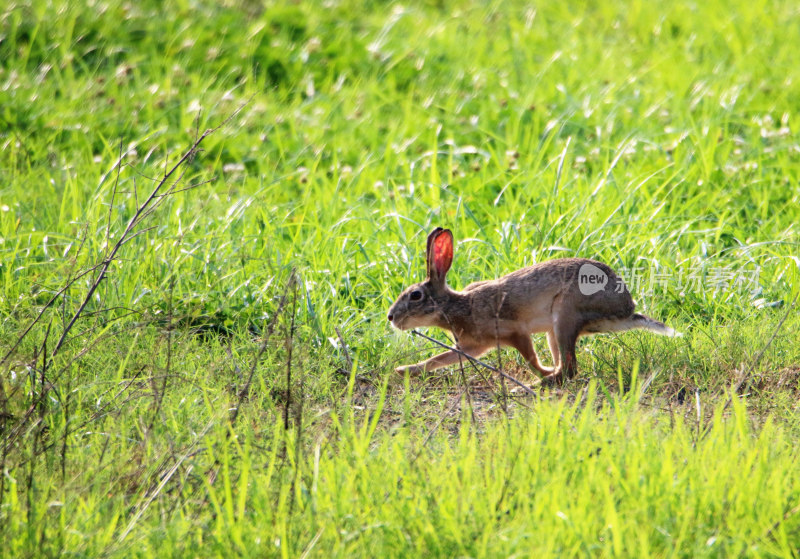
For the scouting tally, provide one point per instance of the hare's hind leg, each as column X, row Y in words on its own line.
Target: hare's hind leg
column 442, row 360
column 566, row 329
column 553, row 344
column 568, row 361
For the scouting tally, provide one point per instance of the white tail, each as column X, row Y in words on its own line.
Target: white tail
column 634, row 321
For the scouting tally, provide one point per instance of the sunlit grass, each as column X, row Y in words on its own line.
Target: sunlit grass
column 659, row 138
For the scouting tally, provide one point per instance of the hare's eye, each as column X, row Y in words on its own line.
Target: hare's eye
column 415, row 295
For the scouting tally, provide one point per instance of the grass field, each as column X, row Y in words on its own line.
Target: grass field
column 198, row 363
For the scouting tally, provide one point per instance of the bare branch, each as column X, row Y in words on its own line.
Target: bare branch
column 142, row 211
column 477, row 362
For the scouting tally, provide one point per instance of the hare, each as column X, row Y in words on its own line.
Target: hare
column 566, row 298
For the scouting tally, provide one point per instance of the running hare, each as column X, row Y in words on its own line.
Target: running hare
column 566, row 298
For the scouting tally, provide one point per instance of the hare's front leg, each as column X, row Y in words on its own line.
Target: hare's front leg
column 441, row 360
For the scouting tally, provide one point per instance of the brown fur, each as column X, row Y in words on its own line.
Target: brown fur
column 545, row 297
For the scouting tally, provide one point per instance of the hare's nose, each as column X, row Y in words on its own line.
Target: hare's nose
column 390, row 317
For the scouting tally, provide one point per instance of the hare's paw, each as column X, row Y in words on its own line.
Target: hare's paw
column 553, row 379
column 410, row 369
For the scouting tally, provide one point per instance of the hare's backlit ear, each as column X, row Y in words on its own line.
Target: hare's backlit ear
column 440, row 254
column 431, row 237
column 429, row 250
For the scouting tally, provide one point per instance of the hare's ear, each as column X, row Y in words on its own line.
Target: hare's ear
column 440, row 255
column 428, row 255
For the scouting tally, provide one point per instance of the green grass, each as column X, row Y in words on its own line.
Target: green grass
column 659, row 138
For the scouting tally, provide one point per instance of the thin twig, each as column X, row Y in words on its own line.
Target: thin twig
column 187, row 188
column 477, row 361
